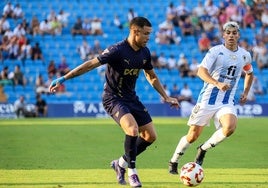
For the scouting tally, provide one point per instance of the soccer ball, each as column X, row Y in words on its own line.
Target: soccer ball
column 192, row 174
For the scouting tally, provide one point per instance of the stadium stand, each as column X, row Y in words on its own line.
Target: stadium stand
column 89, row 86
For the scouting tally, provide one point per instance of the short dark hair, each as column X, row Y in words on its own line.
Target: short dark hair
column 140, row 21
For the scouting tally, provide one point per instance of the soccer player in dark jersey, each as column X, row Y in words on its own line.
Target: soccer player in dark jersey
column 124, row 61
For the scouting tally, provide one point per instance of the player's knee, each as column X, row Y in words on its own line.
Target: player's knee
column 229, row 131
column 191, row 138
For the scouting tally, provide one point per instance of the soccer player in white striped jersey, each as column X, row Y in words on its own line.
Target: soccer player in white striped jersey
column 220, row 70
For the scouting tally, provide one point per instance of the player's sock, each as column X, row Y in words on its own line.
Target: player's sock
column 131, row 171
column 141, row 145
column 181, row 147
column 131, row 150
column 215, row 139
column 123, row 161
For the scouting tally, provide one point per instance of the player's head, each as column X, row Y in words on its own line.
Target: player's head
column 231, row 34
column 140, row 30
column 230, row 24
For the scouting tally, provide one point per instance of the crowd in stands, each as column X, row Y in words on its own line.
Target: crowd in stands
column 202, row 22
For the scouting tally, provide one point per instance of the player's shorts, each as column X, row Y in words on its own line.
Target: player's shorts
column 116, row 107
column 201, row 115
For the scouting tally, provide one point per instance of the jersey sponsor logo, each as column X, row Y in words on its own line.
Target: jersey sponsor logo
column 131, row 72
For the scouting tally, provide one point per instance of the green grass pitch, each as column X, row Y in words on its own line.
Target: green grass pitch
column 50, row 153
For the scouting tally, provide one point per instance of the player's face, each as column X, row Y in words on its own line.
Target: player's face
column 143, row 36
column 231, row 36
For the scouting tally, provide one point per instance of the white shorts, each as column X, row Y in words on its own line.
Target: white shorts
column 201, row 115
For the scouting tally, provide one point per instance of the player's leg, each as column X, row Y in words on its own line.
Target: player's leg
column 185, row 142
column 130, row 127
column 225, row 122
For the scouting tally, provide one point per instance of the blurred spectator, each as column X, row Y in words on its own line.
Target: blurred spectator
column 40, row 85
column 236, row 17
column 4, row 48
column 63, row 67
column 117, row 22
column 26, row 51
column 51, row 15
column 4, row 25
column 187, row 27
column 19, row 77
column 167, row 34
column 211, row 8
column 131, row 14
column 264, row 18
column 37, row 52
column 260, row 55
column 257, row 86
column 63, row 18
column 26, row 26
column 45, row 27
column 18, row 12
column 183, row 66
column 172, row 63
column 248, row 19
column 52, row 69
column 204, row 43
column 56, row 27
column 96, row 49
column 175, row 92
column 13, row 48
column 262, row 35
column 186, row 101
column 231, row 9
column 4, row 78
column 155, row 61
column 199, row 9
column 40, row 106
column 171, row 14
column 20, row 107
column 77, row 28
column 162, row 60
column 8, row 10
column 84, row 50
column 183, row 12
column 96, row 26
column 86, row 27
column 3, row 96
column 34, row 25
column 193, row 68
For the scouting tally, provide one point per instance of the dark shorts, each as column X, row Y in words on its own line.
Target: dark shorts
column 116, row 107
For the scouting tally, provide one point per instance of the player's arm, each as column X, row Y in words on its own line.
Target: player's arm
column 247, row 83
column 79, row 70
column 206, row 77
column 155, row 82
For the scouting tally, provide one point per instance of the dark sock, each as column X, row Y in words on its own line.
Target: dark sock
column 131, row 150
column 141, row 145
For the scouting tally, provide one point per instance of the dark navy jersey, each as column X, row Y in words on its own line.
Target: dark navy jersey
column 123, row 67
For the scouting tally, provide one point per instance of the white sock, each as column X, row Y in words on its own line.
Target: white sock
column 214, row 140
column 122, row 162
column 131, row 171
column 180, row 149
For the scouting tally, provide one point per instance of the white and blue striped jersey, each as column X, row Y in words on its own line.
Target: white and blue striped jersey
column 224, row 66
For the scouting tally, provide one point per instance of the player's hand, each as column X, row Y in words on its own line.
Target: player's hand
column 243, row 99
column 55, row 84
column 173, row 102
column 223, row 86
